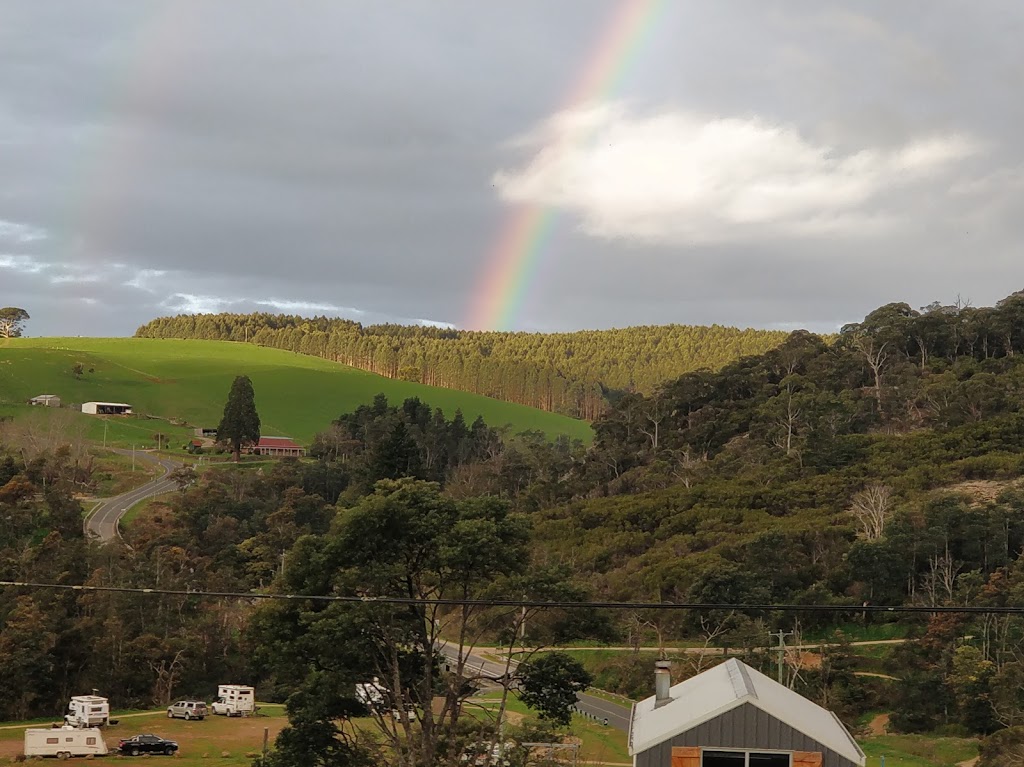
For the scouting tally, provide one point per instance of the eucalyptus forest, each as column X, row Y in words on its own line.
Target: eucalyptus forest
column 880, row 467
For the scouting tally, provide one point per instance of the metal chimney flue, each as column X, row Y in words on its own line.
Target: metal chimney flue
column 662, row 682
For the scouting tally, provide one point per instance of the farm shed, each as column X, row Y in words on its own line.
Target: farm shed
column 279, row 447
column 734, row 716
column 45, row 400
column 106, row 408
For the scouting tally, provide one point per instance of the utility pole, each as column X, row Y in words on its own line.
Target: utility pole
column 133, row 457
column 522, row 625
column 781, row 635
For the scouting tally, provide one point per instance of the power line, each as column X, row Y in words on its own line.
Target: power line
column 445, row 602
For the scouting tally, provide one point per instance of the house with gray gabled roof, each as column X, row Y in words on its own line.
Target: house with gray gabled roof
column 734, row 716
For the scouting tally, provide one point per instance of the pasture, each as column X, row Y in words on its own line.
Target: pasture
column 188, row 381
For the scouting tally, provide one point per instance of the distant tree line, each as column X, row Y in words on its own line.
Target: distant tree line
column 576, row 374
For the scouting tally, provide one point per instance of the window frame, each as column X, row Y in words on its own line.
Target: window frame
column 746, row 753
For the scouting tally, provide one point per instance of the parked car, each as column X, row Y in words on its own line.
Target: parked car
column 147, row 744
column 187, row 709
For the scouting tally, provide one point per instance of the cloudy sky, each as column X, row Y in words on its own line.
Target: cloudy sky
column 747, row 163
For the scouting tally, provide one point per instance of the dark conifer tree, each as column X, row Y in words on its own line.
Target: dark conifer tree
column 241, row 422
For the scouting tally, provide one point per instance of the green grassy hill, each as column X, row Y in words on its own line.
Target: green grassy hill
column 296, row 395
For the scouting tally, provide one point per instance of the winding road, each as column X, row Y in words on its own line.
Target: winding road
column 102, row 521
column 602, row 710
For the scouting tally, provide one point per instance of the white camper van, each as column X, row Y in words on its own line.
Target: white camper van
column 64, row 742
column 234, row 700
column 87, row 711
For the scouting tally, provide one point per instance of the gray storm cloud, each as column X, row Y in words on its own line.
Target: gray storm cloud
column 758, row 163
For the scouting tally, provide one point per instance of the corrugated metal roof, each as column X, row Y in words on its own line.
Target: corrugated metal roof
column 276, row 442
column 725, row 687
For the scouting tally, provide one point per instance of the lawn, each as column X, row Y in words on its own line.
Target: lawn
column 917, row 750
column 200, row 742
column 598, row 744
column 188, row 381
column 858, row 632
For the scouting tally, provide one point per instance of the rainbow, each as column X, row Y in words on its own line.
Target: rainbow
column 157, row 66
column 515, row 257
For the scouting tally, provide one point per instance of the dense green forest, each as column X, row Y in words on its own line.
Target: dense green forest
column 571, row 373
column 882, row 468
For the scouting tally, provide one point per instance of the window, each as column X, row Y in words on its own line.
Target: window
column 90, row 741
column 69, row 740
column 52, row 741
column 744, row 759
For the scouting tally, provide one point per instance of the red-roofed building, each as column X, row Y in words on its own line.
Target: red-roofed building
column 278, row 447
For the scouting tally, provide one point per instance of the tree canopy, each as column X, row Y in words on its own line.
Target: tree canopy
column 12, row 321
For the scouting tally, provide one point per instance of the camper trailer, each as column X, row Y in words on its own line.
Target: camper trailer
column 87, row 711
column 234, row 700
column 64, row 742
column 375, row 697
column 371, row 694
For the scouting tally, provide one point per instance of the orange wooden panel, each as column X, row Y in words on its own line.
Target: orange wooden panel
column 686, row 756
column 806, row 759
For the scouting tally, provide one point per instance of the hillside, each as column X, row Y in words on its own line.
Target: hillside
column 297, row 395
column 577, row 373
column 853, row 478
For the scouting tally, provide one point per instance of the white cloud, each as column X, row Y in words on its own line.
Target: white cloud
column 75, row 278
column 20, row 233
column 282, row 305
column 189, row 303
column 435, row 324
column 676, row 176
column 144, row 278
column 23, row 264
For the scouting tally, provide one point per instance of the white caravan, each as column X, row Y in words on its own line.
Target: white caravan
column 64, row 742
column 371, row 694
column 234, row 700
column 87, row 711
column 375, row 696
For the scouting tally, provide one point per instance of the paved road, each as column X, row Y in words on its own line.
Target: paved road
column 102, row 521
column 598, row 708
column 706, row 650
